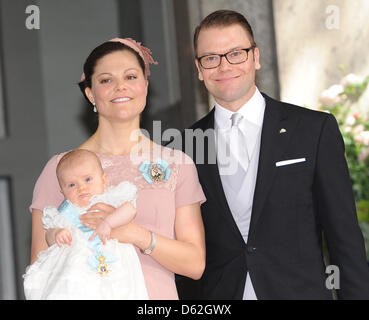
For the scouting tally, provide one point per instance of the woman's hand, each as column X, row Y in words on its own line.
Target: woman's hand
column 94, row 215
column 128, row 233
column 185, row 255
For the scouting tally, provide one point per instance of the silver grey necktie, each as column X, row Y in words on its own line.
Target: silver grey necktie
column 238, row 142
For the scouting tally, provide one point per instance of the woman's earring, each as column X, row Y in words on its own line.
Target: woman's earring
column 95, row 110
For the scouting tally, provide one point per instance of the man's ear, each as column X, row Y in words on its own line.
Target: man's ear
column 89, row 95
column 201, row 78
column 257, row 59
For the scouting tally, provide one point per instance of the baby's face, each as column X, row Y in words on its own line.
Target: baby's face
column 82, row 181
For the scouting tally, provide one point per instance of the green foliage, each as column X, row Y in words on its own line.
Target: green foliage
column 349, row 103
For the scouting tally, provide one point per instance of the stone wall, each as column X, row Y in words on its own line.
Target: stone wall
column 318, row 42
column 306, row 46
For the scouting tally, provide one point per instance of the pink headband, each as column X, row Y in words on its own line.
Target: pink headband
column 145, row 53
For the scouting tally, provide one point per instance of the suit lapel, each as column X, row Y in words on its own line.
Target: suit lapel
column 210, row 178
column 272, row 148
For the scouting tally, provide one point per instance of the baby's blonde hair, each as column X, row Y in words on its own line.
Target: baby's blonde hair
column 74, row 157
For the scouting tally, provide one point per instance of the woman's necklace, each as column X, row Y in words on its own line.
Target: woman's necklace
column 108, row 152
column 103, row 149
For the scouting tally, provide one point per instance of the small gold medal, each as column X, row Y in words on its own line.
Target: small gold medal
column 102, row 268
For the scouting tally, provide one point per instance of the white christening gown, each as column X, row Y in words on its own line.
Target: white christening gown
column 78, row 271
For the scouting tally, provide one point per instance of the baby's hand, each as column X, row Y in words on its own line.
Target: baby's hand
column 103, row 230
column 63, row 236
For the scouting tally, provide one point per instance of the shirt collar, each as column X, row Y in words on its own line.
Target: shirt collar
column 252, row 110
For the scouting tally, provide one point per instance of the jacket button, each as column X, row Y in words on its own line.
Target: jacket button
column 251, row 249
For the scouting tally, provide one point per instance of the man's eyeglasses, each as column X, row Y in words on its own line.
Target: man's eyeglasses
column 233, row 57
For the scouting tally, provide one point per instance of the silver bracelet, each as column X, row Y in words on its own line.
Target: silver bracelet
column 152, row 245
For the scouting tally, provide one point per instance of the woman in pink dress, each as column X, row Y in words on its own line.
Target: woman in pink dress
column 167, row 232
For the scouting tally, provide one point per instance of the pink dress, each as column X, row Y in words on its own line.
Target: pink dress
column 156, row 202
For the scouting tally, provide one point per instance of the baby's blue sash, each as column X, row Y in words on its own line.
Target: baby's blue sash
column 71, row 213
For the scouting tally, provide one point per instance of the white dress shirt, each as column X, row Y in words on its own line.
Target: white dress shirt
column 240, row 191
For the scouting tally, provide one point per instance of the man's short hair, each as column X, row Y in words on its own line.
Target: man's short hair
column 223, row 18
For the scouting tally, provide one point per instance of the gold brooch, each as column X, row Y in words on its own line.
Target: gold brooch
column 155, row 171
column 102, row 268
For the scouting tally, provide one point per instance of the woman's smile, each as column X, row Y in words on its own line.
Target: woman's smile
column 121, row 100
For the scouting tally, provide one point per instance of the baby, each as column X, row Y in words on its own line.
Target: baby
column 81, row 263
column 80, row 177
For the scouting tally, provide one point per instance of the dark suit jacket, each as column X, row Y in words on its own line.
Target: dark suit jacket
column 292, row 206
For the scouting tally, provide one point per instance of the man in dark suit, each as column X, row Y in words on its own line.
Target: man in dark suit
column 265, row 218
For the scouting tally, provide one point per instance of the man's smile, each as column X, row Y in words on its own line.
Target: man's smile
column 226, row 79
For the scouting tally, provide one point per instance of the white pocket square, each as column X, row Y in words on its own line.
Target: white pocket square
column 288, row 162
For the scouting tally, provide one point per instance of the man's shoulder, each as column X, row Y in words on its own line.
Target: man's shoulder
column 290, row 109
column 284, row 108
column 205, row 121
